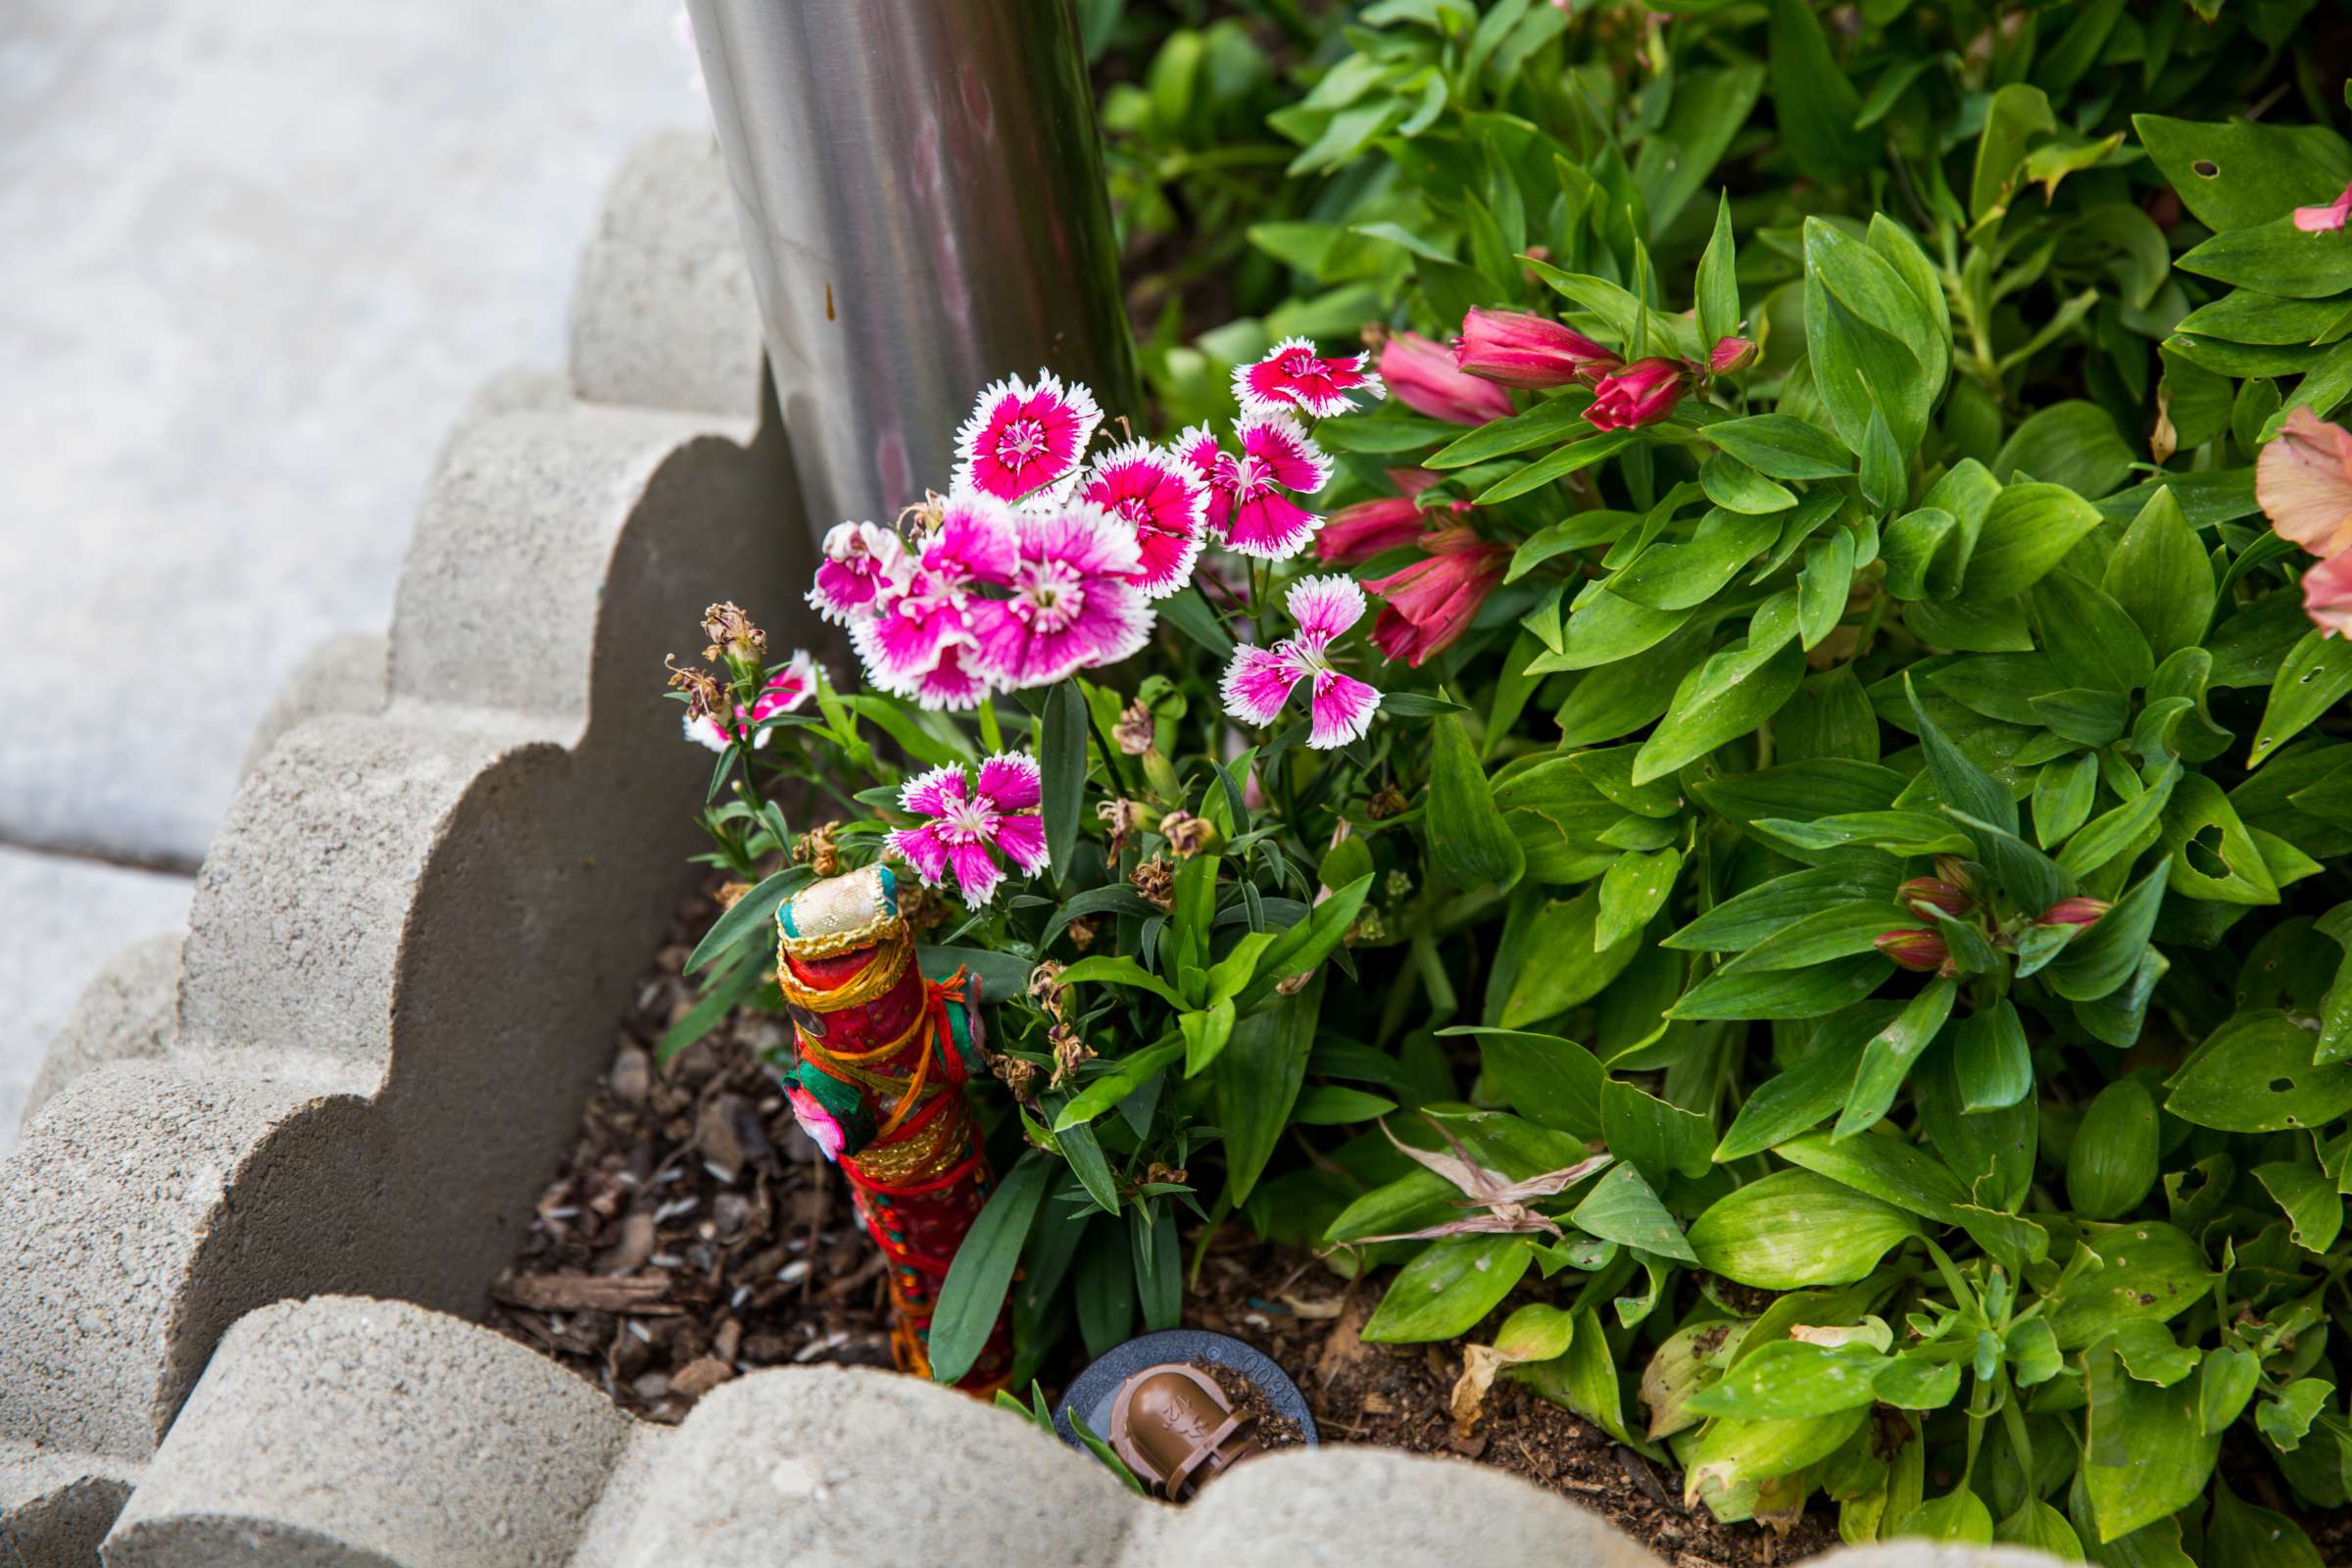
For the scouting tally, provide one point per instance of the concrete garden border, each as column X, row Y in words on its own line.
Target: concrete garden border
column 270, row 1168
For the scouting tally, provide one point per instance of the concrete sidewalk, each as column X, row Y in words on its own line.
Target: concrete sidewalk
column 253, row 259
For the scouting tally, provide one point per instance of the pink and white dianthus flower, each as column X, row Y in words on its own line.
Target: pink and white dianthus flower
column 971, row 822
column 1158, row 495
column 787, row 689
column 858, row 557
column 1295, row 373
column 1024, row 440
column 917, row 641
column 1251, row 504
column 1073, row 602
column 1259, row 681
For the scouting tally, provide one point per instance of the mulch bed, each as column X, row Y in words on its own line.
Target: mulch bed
column 695, row 1234
column 695, row 1231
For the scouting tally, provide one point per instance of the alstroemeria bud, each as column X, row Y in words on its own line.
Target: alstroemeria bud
column 1422, row 376
column 1358, row 532
column 1911, row 948
column 1517, row 349
column 1640, row 394
column 2073, row 912
column 1732, row 354
column 1933, row 891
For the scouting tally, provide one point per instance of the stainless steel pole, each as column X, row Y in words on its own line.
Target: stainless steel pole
column 921, row 192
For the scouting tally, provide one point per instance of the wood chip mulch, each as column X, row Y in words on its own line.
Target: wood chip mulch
column 695, row 1231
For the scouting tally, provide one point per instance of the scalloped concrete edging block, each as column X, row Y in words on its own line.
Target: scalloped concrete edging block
column 422, row 916
column 344, row 1432
column 127, row 1010
column 663, row 290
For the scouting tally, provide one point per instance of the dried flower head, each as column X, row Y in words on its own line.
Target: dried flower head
column 1134, row 730
column 705, row 697
column 732, row 635
column 1016, row 1075
column 1083, row 930
column 1068, row 1051
column 1388, row 801
column 1124, row 817
column 1155, row 880
column 818, row 850
column 1189, row 836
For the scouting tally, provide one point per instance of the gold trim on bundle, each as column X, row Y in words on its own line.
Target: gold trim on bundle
column 883, row 970
column 833, row 944
column 931, row 1150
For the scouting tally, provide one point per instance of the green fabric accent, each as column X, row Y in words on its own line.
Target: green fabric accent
column 844, row 1103
column 959, row 1030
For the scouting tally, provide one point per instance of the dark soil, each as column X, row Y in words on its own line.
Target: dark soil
column 695, row 1234
column 1398, row 1395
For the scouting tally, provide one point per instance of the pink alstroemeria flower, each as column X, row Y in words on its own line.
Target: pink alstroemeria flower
column 2303, row 481
column 1425, row 380
column 1026, row 441
column 1642, row 393
column 916, row 642
column 1074, row 603
column 1158, row 495
column 1251, row 509
column 1259, row 681
column 1513, row 348
column 971, row 822
column 1433, row 601
column 787, row 689
column 816, row 1121
column 1295, row 373
column 2327, row 219
column 858, row 557
column 2327, row 594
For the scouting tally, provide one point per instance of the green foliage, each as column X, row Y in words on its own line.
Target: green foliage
column 1851, row 943
column 1962, row 580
